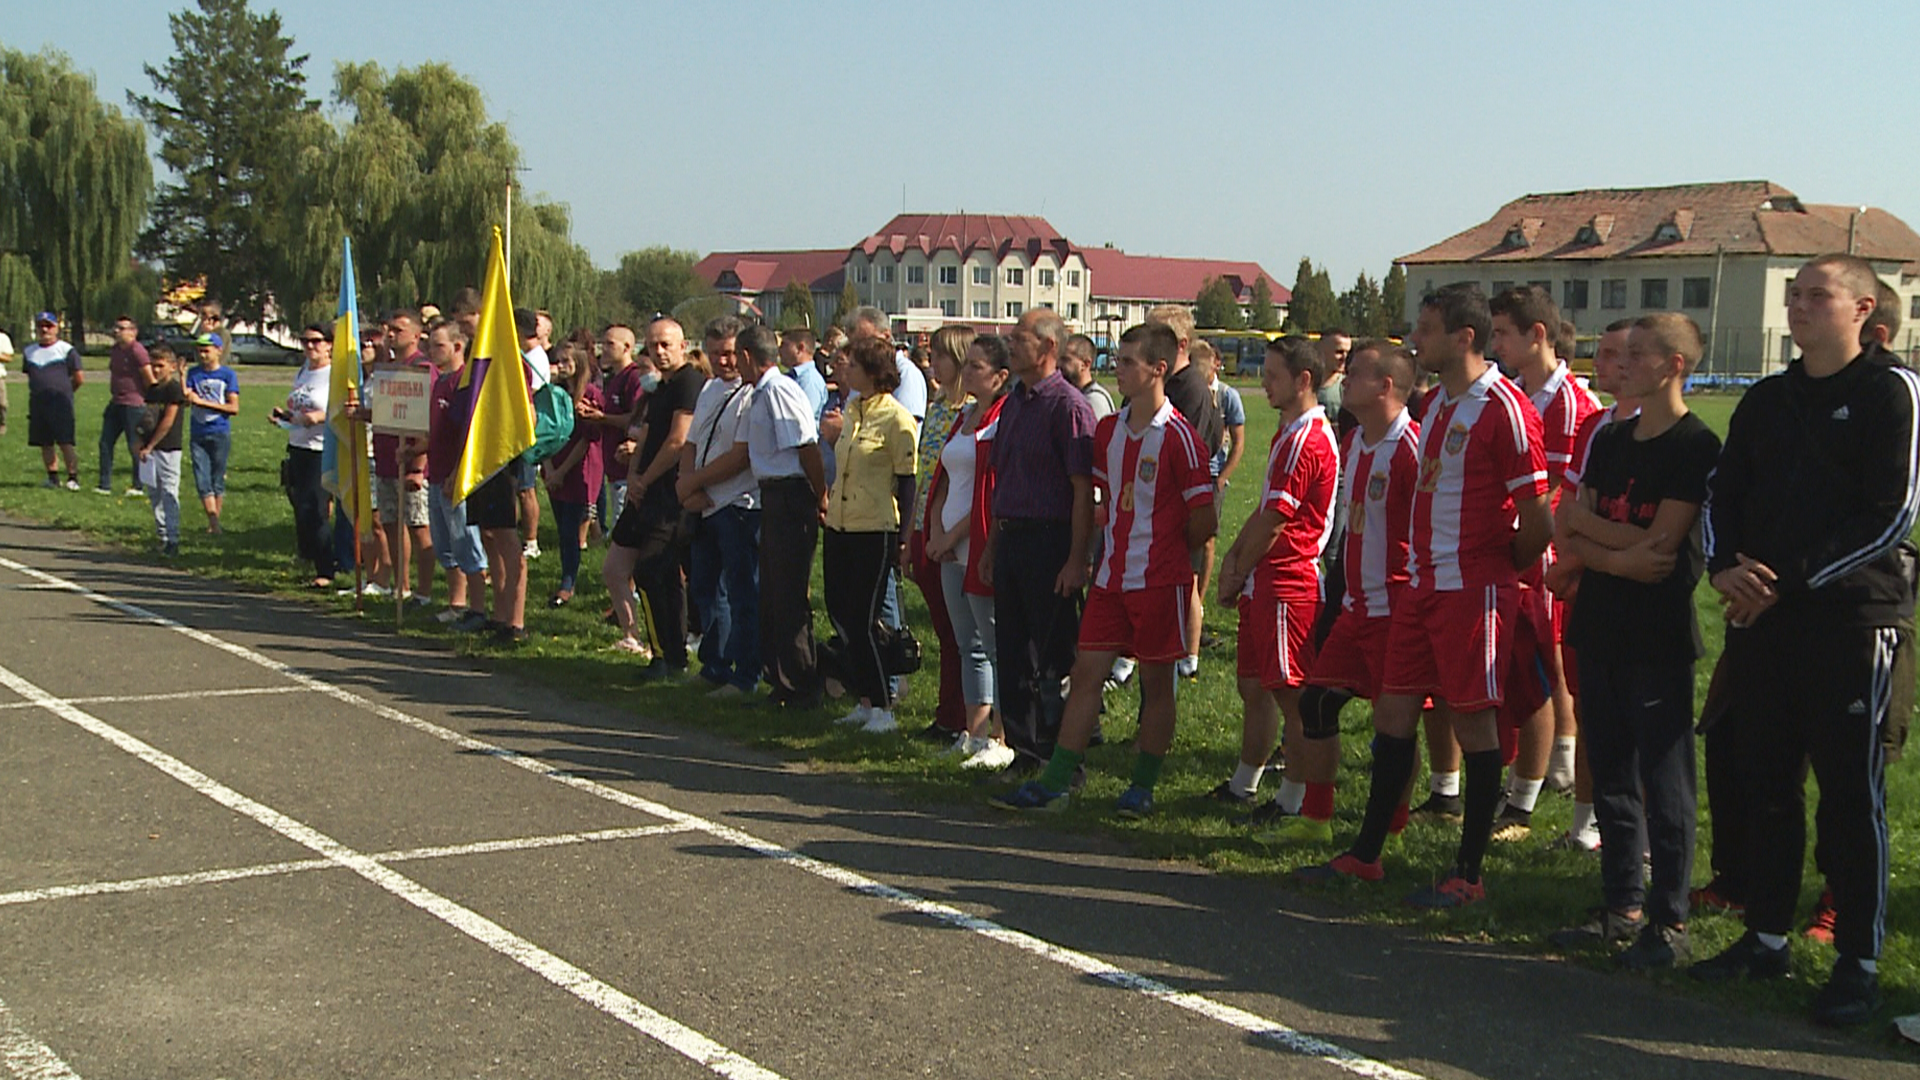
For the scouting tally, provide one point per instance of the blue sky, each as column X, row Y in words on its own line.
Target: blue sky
column 1348, row 132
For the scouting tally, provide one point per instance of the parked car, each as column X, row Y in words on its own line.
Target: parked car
column 173, row 334
column 259, row 349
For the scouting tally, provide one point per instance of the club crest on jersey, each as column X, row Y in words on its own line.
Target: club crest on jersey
column 1148, row 468
column 1377, row 487
column 1456, row 438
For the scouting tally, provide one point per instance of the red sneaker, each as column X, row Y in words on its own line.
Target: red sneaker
column 1709, row 898
column 1343, row 868
column 1453, row 891
column 1820, row 927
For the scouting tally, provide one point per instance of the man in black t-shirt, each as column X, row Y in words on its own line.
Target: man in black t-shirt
column 1192, row 396
column 651, row 531
column 1633, row 526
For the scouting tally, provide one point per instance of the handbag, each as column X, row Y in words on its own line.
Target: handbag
column 899, row 649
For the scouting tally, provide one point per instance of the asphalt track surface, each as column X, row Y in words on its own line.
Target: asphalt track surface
column 239, row 839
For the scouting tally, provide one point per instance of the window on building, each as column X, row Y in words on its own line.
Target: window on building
column 1913, row 307
column 1048, row 304
column 1653, row 293
column 1573, row 296
column 885, row 273
column 949, row 275
column 860, row 275
column 916, row 275
column 1543, row 286
column 1073, row 311
column 949, row 308
column 1613, row 293
column 1101, row 307
column 1044, row 278
column 1016, row 276
column 1014, row 309
column 1073, row 279
column 983, row 309
column 983, row 275
column 1696, row 292
column 1500, row 287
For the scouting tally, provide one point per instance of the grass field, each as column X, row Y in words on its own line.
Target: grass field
column 1531, row 890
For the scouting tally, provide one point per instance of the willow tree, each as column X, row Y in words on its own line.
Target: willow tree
column 415, row 172
column 74, row 185
column 226, row 102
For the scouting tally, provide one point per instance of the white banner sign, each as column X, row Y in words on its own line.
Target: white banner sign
column 402, row 400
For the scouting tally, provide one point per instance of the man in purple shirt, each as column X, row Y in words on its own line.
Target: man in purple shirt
column 128, row 376
column 1037, row 548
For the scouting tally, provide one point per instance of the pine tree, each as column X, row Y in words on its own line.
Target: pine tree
column 1216, row 308
column 1314, row 306
column 1261, row 314
column 225, row 106
column 1393, row 301
column 849, row 299
column 796, row 306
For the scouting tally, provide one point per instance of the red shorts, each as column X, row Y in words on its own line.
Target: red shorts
column 1274, row 639
column 1354, row 656
column 1147, row 624
column 1531, row 641
column 1455, row 645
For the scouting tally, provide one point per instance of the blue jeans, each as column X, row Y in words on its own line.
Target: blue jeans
column 209, row 450
column 116, row 422
column 726, row 577
column 568, row 517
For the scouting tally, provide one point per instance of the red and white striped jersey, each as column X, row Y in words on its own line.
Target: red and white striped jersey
column 1303, row 471
column 1149, row 482
column 1563, row 405
column 1379, row 483
column 1478, row 453
column 1583, row 442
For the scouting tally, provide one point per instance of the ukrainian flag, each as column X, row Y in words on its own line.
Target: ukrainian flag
column 344, row 461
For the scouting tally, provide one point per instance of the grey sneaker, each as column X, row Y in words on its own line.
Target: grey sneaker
column 1604, row 926
column 1657, row 948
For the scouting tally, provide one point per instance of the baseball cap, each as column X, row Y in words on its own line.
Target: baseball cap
column 209, row 339
column 46, row 318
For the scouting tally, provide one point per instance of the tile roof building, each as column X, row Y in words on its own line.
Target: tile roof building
column 981, row 269
column 1722, row 253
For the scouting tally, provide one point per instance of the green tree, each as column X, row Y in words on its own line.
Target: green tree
column 849, row 299
column 418, row 175
column 1261, row 314
column 1361, row 310
column 1393, row 301
column 796, row 305
column 656, row 280
column 1216, row 308
column 226, row 103
column 74, row 184
column 1314, row 306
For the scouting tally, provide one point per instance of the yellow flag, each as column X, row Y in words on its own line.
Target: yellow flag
column 501, row 427
column 344, row 464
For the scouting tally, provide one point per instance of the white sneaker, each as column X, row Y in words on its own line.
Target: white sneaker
column 531, row 550
column 858, row 716
column 1122, row 670
column 964, row 746
column 1187, row 667
column 450, row 615
column 373, row 588
column 72, row 484
column 996, row 755
column 693, row 644
column 880, row 722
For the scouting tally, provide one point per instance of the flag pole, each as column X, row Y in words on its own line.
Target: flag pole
column 507, row 263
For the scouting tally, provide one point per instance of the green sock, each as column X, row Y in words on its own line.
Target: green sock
column 1146, row 769
column 1059, row 774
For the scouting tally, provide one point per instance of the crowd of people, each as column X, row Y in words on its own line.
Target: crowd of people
column 1455, row 529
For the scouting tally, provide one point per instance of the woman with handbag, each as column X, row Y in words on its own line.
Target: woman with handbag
column 956, row 516
column 304, row 417
column 872, row 494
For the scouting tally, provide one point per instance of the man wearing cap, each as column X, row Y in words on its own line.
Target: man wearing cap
column 53, row 374
column 129, row 374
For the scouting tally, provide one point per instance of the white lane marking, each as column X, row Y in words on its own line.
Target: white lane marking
column 241, row 873
column 176, row 695
column 1252, row 1023
column 657, row 1026
column 26, row 1057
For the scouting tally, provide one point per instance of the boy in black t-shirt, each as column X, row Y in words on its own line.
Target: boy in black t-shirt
column 159, row 453
column 1635, row 529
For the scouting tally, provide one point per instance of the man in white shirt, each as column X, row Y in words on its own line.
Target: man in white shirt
column 539, row 374
column 6, row 357
column 716, row 481
column 783, row 452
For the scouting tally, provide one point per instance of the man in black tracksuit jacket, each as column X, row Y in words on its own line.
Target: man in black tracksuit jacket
column 1817, row 488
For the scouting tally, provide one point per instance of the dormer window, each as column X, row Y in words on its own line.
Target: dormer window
column 1586, row 236
column 1667, row 233
column 1516, row 238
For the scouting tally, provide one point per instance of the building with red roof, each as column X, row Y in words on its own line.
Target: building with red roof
column 980, row 269
column 1722, row 253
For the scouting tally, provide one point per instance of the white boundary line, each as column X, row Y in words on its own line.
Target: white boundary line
column 615, row 1003
column 1260, row 1027
column 241, row 873
column 175, row 695
column 26, row 1057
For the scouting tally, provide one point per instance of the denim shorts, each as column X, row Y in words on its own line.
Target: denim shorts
column 209, row 450
column 455, row 543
